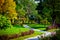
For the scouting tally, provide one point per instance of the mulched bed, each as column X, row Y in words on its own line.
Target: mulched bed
column 8, row 37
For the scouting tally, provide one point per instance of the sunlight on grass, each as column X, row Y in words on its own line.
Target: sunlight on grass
column 37, row 25
column 42, row 28
column 12, row 30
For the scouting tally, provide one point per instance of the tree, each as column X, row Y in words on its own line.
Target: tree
column 50, row 4
column 56, row 10
column 44, row 12
column 54, row 5
column 7, row 8
column 26, row 8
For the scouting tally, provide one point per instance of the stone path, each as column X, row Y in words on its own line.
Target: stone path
column 38, row 36
column 33, row 38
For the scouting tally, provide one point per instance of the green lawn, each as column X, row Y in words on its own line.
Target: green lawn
column 38, row 26
column 12, row 30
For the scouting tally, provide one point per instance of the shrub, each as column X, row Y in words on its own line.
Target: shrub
column 45, row 22
column 4, row 22
column 58, row 35
column 53, row 37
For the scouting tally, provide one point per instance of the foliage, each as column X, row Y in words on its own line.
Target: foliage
column 49, row 10
column 4, row 22
column 45, row 21
column 54, row 5
column 21, row 12
column 25, row 7
column 7, row 8
column 46, row 15
column 44, row 12
column 58, row 20
column 58, row 35
column 1, row 3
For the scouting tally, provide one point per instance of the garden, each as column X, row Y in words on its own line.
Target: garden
column 27, row 20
